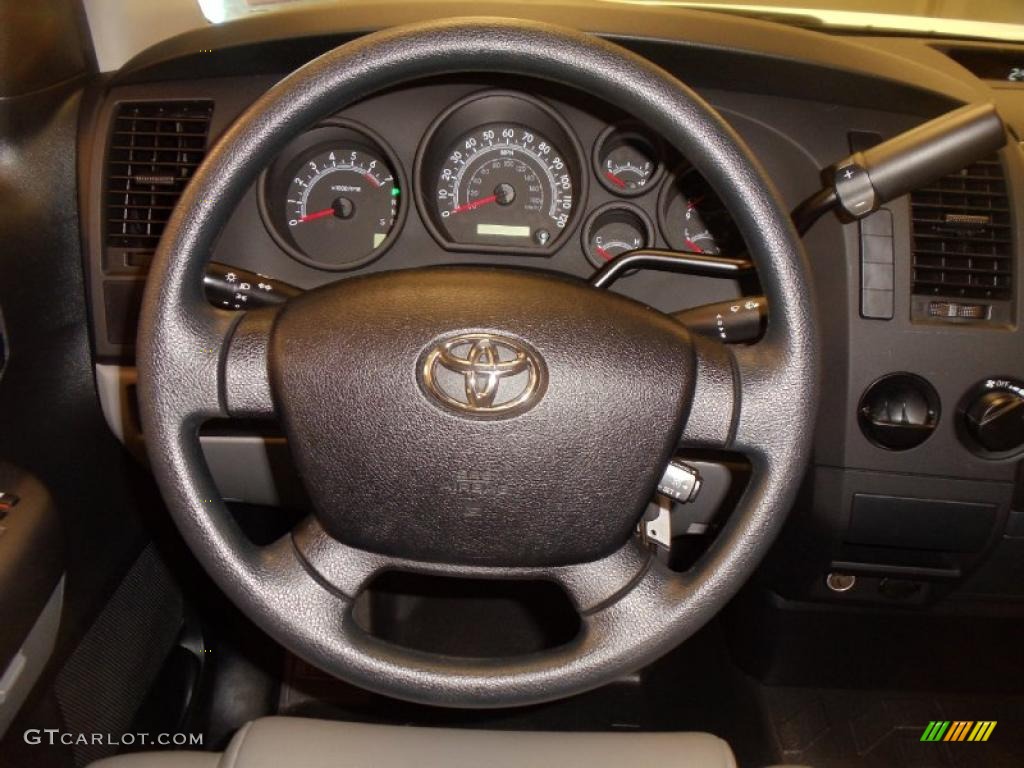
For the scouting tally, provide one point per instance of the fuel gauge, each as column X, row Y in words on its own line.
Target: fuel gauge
column 627, row 161
column 614, row 229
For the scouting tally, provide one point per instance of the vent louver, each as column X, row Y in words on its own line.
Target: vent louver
column 155, row 147
column 962, row 237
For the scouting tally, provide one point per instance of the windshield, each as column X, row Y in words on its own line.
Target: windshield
column 983, row 19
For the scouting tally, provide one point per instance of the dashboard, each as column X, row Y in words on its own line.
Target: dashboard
column 460, row 170
column 489, row 169
column 496, row 171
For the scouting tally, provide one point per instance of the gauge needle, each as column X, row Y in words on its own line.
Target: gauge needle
column 372, row 180
column 603, row 253
column 317, row 215
column 615, row 179
column 693, row 246
column 475, row 204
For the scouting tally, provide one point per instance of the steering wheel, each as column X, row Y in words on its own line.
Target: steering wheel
column 603, row 390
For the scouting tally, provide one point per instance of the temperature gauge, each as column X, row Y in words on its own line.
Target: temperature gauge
column 615, row 229
column 627, row 161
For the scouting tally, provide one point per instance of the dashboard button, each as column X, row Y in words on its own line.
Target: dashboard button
column 878, row 223
column 877, row 277
column 876, row 249
column 877, row 265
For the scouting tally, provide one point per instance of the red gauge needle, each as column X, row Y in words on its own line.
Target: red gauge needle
column 693, row 246
column 317, row 215
column 603, row 253
column 615, row 179
column 475, row 204
column 371, row 179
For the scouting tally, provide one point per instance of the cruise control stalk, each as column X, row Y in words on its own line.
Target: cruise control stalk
column 864, row 181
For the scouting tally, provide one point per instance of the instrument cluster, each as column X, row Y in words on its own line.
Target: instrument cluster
column 498, row 171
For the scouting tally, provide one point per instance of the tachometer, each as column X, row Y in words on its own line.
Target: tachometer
column 500, row 184
column 342, row 203
column 333, row 200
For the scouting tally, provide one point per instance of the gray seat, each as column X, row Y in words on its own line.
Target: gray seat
column 299, row 743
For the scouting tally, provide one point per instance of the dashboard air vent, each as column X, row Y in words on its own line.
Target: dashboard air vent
column 962, row 237
column 154, row 149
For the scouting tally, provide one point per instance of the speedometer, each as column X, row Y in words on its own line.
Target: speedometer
column 504, row 184
column 500, row 172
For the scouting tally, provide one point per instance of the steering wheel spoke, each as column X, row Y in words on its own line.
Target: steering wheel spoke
column 189, row 362
column 349, row 570
column 716, row 397
column 346, row 570
column 245, row 380
column 740, row 401
column 596, row 584
column 215, row 366
column 766, row 408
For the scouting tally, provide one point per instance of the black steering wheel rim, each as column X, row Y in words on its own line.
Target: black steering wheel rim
column 196, row 363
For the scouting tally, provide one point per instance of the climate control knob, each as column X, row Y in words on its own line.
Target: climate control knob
column 994, row 416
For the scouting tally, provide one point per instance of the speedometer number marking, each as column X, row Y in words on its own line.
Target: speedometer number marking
column 503, row 183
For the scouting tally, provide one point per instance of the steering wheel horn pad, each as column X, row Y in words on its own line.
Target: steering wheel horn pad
column 560, row 476
column 390, row 469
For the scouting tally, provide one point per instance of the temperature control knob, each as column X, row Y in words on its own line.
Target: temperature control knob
column 994, row 417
